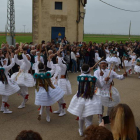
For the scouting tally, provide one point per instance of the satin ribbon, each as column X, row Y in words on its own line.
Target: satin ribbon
column 39, row 108
column 50, row 109
column 64, row 105
column 27, row 96
column 6, row 104
column 77, row 119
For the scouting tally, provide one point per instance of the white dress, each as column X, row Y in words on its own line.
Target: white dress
column 11, row 87
column 107, row 91
column 108, row 59
column 114, row 60
column 63, row 83
column 23, row 78
column 137, row 68
column 44, row 98
column 86, row 107
column 133, row 60
column 128, row 65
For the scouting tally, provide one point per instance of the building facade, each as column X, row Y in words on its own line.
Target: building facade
column 58, row 18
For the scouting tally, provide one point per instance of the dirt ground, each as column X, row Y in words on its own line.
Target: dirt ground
column 60, row 128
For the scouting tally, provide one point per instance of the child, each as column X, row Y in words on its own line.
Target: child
column 85, row 103
column 137, row 66
column 7, row 86
column 23, row 78
column 128, row 64
column 133, row 61
column 46, row 94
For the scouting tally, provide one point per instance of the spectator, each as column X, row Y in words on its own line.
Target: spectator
column 28, row 135
column 97, row 133
column 92, row 57
column 123, row 124
column 81, row 58
column 67, row 59
column 74, row 59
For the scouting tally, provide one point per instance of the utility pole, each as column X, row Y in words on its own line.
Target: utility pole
column 10, row 31
column 24, row 28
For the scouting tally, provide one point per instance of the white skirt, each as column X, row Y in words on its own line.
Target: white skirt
column 137, row 68
column 108, row 59
column 9, row 89
column 85, row 107
column 43, row 98
column 65, row 85
column 114, row 60
column 24, row 79
column 119, row 61
column 106, row 101
column 128, row 63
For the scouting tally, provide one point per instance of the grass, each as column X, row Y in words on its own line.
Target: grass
column 103, row 38
column 20, row 37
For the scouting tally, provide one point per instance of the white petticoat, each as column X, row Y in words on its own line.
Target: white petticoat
column 108, row 59
column 85, row 107
column 119, row 61
column 9, row 89
column 105, row 97
column 65, row 85
column 43, row 98
column 127, row 63
column 137, row 68
column 24, row 79
column 114, row 60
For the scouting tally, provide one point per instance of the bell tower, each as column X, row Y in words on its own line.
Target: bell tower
column 58, row 18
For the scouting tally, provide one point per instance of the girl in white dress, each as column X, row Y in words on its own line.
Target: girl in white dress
column 133, row 61
column 46, row 94
column 137, row 66
column 7, row 86
column 128, row 64
column 23, row 78
column 63, row 82
column 85, row 103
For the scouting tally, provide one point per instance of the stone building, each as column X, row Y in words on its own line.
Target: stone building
column 58, row 18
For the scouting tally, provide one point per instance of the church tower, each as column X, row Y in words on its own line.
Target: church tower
column 58, row 19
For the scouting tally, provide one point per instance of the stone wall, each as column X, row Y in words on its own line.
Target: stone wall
column 45, row 16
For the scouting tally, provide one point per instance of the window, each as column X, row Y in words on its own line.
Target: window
column 58, row 5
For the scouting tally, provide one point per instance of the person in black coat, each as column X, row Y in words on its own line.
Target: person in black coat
column 92, row 57
column 121, row 51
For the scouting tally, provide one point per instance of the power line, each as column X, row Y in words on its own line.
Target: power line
column 118, row 7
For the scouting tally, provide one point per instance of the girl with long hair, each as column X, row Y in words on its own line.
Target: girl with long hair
column 123, row 123
column 46, row 94
column 7, row 86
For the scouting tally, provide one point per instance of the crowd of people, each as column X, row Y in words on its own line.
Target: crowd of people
column 46, row 67
column 78, row 53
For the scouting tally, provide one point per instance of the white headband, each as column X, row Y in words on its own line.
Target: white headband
column 85, row 71
column 103, row 62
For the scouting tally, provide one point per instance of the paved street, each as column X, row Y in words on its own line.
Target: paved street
column 60, row 128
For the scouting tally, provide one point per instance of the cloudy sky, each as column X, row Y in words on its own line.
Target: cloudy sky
column 100, row 18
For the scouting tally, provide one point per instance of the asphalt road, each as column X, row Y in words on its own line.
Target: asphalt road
column 60, row 128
